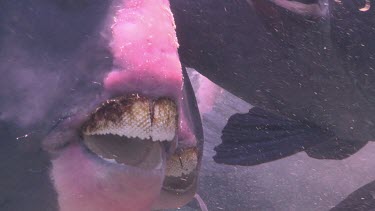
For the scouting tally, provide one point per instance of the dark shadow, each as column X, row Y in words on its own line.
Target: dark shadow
column 25, row 182
column 362, row 199
column 260, row 136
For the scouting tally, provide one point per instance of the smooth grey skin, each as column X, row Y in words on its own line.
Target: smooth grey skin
column 316, row 70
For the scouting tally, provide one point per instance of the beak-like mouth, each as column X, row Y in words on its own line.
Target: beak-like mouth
column 132, row 130
column 141, row 132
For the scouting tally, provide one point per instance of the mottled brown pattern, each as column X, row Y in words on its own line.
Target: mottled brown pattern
column 181, row 170
column 111, row 111
column 164, row 101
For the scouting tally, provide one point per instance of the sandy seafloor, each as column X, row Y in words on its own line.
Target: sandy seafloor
column 297, row 182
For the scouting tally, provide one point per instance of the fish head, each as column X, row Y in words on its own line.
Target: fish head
column 132, row 149
column 124, row 131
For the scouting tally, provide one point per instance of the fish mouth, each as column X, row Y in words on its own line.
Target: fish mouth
column 144, row 132
column 132, row 130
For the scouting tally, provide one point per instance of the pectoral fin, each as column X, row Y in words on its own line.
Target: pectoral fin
column 335, row 148
column 361, row 199
column 260, row 136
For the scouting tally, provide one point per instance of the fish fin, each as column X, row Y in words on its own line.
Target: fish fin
column 260, row 136
column 335, row 149
column 361, row 199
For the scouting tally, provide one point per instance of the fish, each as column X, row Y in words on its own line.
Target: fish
column 111, row 103
column 309, row 76
column 64, row 72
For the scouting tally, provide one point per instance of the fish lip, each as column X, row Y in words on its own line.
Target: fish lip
column 132, row 130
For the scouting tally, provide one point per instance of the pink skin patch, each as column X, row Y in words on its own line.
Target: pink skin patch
column 144, row 46
column 83, row 184
column 207, row 93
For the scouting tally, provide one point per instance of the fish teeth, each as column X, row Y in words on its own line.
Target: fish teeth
column 164, row 120
column 181, row 170
column 135, row 117
column 182, row 163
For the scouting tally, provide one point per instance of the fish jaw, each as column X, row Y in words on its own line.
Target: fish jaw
column 146, row 67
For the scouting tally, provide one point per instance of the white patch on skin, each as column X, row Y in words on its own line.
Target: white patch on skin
column 110, row 160
column 366, row 7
